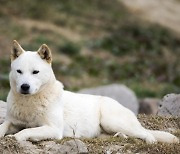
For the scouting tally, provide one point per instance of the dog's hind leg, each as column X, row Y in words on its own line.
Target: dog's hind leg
column 115, row 118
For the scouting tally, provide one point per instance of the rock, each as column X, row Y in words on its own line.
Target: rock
column 3, row 107
column 119, row 92
column 54, row 148
column 76, row 146
column 170, row 105
column 29, row 148
column 149, row 106
column 10, row 145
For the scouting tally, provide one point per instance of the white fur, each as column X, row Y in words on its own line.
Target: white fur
column 48, row 111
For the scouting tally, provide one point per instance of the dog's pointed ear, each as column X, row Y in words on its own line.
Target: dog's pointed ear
column 16, row 51
column 45, row 53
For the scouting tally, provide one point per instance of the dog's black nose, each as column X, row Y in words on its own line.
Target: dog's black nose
column 25, row 87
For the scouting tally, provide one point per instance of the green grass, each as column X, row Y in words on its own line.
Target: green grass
column 130, row 37
column 69, row 13
column 144, row 56
column 4, row 79
column 70, row 48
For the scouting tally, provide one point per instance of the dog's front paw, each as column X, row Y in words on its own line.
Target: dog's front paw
column 10, row 136
column 17, row 137
column 1, row 134
column 20, row 137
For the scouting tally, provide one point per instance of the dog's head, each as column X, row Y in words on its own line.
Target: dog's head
column 30, row 71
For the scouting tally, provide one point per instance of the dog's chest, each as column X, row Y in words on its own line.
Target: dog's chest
column 31, row 115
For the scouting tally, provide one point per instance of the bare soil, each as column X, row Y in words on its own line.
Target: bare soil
column 163, row 12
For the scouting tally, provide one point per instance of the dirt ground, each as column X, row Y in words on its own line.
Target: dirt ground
column 105, row 144
column 163, row 12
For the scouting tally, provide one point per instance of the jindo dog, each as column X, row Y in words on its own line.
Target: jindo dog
column 39, row 108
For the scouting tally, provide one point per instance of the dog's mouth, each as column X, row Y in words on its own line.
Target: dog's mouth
column 25, row 92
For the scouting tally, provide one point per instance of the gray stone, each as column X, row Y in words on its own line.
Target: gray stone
column 29, row 148
column 119, row 92
column 54, row 148
column 3, row 109
column 10, row 145
column 170, row 105
column 76, row 146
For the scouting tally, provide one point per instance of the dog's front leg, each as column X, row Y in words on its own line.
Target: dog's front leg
column 39, row 133
column 4, row 127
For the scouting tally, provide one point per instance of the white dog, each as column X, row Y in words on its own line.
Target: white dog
column 39, row 108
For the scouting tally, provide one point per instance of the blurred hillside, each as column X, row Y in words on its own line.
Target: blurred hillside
column 94, row 42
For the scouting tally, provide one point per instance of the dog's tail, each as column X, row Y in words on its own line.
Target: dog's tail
column 162, row 136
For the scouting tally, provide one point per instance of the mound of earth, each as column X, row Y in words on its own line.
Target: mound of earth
column 163, row 12
column 104, row 144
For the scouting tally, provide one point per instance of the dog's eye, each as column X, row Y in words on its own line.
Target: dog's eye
column 19, row 71
column 35, row 72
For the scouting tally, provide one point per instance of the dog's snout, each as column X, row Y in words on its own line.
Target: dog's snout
column 25, row 87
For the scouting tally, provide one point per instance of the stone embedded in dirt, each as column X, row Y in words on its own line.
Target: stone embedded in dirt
column 72, row 146
column 76, row 146
column 170, row 105
column 3, row 109
column 9, row 145
column 119, row 92
column 29, row 148
column 52, row 147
